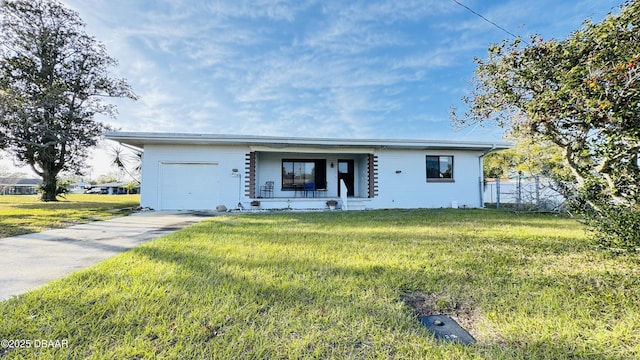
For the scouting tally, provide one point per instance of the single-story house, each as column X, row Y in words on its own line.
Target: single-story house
column 78, row 187
column 19, row 186
column 203, row 171
column 113, row 188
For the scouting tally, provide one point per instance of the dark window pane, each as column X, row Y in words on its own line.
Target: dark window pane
column 287, row 174
column 296, row 173
column 310, row 172
column 439, row 167
column 433, row 167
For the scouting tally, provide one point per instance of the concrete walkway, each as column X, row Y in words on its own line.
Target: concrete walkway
column 32, row 260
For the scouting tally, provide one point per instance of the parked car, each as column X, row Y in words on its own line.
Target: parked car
column 96, row 190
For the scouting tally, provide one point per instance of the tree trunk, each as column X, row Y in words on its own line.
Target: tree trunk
column 49, row 187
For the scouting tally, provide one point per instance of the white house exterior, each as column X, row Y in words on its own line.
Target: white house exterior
column 202, row 171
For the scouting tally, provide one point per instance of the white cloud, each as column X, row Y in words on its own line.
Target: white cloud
column 271, row 66
column 380, row 68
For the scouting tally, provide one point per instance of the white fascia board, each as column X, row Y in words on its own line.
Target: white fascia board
column 139, row 139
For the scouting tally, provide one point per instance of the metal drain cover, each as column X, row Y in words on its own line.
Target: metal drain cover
column 445, row 328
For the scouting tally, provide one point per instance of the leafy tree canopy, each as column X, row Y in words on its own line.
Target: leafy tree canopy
column 581, row 94
column 528, row 158
column 53, row 81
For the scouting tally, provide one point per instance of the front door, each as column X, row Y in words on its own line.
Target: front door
column 346, row 173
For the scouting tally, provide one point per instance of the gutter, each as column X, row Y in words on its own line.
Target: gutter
column 139, row 139
column 132, row 148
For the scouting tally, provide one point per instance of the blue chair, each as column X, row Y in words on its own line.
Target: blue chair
column 309, row 187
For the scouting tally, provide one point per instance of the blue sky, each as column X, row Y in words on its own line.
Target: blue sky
column 332, row 68
column 361, row 69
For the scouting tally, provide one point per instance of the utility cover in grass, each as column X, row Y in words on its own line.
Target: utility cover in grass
column 445, row 328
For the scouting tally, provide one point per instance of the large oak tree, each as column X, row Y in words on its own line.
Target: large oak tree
column 53, row 82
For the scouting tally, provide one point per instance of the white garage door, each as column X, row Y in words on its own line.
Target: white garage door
column 188, row 186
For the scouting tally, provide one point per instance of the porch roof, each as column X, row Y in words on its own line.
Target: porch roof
column 278, row 143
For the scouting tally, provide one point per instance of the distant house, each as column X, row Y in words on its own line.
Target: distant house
column 77, row 188
column 113, row 188
column 18, row 186
column 201, row 171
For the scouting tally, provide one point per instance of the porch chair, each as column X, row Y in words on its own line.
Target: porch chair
column 309, row 187
column 322, row 190
column 266, row 190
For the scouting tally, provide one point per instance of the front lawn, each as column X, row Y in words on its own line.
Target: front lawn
column 343, row 285
column 22, row 214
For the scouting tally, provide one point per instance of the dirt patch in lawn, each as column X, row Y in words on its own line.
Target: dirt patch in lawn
column 461, row 311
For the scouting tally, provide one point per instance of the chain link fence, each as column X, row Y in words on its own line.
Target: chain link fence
column 524, row 193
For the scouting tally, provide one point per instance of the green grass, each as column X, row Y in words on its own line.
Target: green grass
column 343, row 285
column 22, row 214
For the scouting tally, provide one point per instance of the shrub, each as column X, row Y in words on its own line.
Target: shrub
column 616, row 227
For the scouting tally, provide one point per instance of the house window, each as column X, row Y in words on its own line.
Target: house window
column 439, row 168
column 296, row 173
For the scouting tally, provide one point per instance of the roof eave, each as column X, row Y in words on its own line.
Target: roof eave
column 140, row 139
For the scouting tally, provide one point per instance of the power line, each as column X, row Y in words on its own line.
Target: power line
column 485, row 19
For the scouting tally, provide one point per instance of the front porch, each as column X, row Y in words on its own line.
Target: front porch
column 303, row 179
column 316, row 203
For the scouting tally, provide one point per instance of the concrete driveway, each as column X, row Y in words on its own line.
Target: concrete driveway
column 32, row 260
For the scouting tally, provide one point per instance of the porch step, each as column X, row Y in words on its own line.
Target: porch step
column 355, row 205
